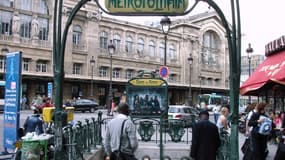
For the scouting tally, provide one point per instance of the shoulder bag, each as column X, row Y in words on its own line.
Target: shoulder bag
column 119, row 154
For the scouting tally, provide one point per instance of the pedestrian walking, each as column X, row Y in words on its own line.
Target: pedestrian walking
column 222, row 122
column 34, row 123
column 23, row 102
column 205, row 139
column 260, row 132
column 121, row 135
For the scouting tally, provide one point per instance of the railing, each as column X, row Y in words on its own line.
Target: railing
column 85, row 136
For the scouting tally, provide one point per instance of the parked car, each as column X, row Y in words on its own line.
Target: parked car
column 85, row 105
column 185, row 113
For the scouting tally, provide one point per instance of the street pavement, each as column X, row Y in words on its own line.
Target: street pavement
column 174, row 150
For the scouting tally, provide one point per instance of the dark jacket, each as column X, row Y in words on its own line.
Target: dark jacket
column 34, row 123
column 205, row 141
column 259, row 142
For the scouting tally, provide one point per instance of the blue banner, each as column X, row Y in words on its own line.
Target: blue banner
column 12, row 98
column 49, row 90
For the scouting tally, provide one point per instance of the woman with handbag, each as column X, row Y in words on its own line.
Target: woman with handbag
column 121, row 141
column 258, row 139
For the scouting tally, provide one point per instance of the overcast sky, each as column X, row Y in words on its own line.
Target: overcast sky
column 261, row 20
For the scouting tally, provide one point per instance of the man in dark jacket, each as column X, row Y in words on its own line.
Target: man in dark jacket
column 205, row 139
column 34, row 123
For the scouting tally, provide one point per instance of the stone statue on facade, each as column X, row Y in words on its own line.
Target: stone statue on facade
column 16, row 24
column 35, row 27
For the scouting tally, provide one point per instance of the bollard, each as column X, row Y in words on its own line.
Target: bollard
column 87, row 135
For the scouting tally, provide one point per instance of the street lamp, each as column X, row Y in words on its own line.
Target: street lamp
column 165, row 26
column 249, row 51
column 111, row 49
column 190, row 60
column 92, row 63
column 200, row 80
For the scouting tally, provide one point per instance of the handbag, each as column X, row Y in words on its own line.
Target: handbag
column 118, row 155
column 245, row 145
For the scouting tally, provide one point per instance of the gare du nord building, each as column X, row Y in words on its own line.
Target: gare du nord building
column 27, row 26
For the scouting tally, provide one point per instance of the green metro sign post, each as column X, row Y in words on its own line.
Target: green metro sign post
column 148, row 8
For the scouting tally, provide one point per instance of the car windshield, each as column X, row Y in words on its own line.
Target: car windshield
column 173, row 110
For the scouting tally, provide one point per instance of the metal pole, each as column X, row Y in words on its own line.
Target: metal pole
column 91, row 91
column 190, row 89
column 165, row 50
column 249, row 70
column 110, row 87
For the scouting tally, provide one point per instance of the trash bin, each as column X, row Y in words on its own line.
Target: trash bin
column 36, row 147
column 176, row 130
column 146, row 130
column 70, row 113
column 47, row 114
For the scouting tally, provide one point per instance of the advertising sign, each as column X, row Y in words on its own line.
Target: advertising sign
column 147, row 96
column 49, row 90
column 147, row 6
column 12, row 98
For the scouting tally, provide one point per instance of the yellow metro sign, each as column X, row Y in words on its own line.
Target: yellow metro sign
column 147, row 82
column 146, row 6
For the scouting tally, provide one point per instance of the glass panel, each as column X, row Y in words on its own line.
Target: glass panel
column 161, row 50
column 44, row 28
column 117, row 41
column 140, row 45
column 129, row 44
column 26, row 5
column 151, row 49
column 77, row 33
column 103, row 40
column 6, row 22
column 25, row 23
column 5, row 3
column 43, row 7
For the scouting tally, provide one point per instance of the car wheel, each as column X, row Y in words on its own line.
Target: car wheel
column 92, row 110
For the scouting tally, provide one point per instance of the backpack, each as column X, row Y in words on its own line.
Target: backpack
column 265, row 127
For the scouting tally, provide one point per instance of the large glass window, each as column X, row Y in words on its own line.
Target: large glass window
column 77, row 35
column 161, row 50
column 129, row 44
column 5, row 22
column 117, row 41
column 26, row 64
column 26, row 5
column 76, row 69
column 41, row 66
column 5, row 3
column 151, row 49
column 211, row 48
column 129, row 74
column 140, row 48
column 26, row 26
column 102, row 72
column 43, row 7
column 116, row 73
column 172, row 52
column 103, row 40
column 44, row 28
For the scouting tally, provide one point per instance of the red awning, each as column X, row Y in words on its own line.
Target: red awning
column 271, row 70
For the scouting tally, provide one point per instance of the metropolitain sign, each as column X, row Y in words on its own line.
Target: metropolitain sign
column 146, row 6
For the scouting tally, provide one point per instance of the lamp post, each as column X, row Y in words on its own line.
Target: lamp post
column 111, row 49
column 92, row 63
column 190, row 60
column 165, row 26
column 249, row 51
column 200, row 81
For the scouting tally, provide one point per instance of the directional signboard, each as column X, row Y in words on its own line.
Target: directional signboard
column 12, row 98
column 146, row 6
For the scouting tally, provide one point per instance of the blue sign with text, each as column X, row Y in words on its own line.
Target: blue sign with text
column 49, row 86
column 12, row 98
